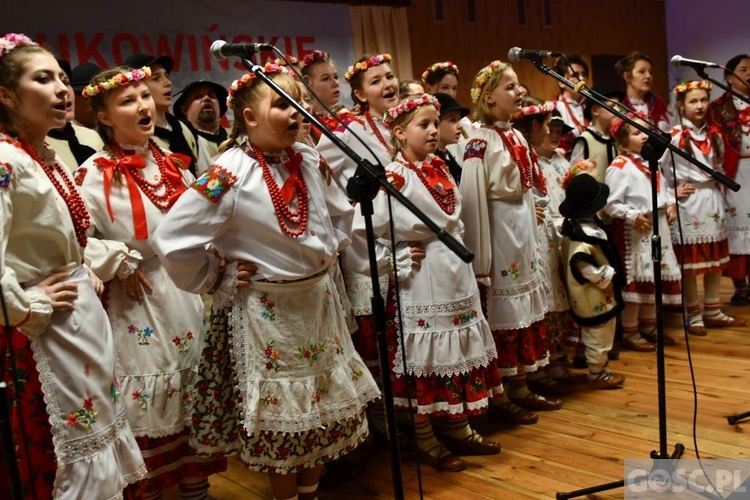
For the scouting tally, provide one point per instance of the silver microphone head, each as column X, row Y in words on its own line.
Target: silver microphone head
column 216, row 50
column 514, row 54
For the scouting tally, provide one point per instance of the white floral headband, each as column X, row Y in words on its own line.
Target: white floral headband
column 119, row 80
column 439, row 66
column 538, row 109
column 695, row 84
column 10, row 41
column 408, row 106
column 483, row 77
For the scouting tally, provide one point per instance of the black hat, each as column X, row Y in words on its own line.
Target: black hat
column 557, row 118
column 448, row 104
column 65, row 66
column 584, row 196
column 607, row 91
column 221, row 94
column 83, row 74
column 137, row 61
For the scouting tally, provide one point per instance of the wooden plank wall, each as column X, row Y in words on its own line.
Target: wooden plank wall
column 585, row 27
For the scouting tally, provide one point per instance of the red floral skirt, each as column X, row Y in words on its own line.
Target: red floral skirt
column 739, row 267
column 32, row 433
column 522, row 346
column 703, row 258
column 562, row 327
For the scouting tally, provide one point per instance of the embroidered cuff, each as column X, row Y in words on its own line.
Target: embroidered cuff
column 605, row 278
column 403, row 262
column 129, row 264
column 39, row 315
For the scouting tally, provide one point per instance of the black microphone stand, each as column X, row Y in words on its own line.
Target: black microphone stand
column 653, row 149
column 363, row 187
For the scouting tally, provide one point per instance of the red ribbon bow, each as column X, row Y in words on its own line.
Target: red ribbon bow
column 124, row 166
column 176, row 162
column 289, row 189
column 744, row 115
column 435, row 174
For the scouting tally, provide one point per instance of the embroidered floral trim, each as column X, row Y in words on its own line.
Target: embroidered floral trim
column 268, row 399
column 423, row 323
column 182, row 343
column 512, row 271
column 692, row 85
column 313, row 56
column 464, row 318
column 142, row 397
column 214, row 183
column 311, row 353
column 396, row 180
column 272, row 357
column 440, row 66
column 5, row 170
column 408, row 106
column 143, row 335
column 481, row 79
column 84, row 417
column 10, row 41
column 339, row 347
column 316, row 396
column 476, row 148
column 119, row 80
column 268, row 305
column 368, row 63
column 114, row 391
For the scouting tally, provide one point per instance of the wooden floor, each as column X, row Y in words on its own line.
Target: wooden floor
column 584, row 443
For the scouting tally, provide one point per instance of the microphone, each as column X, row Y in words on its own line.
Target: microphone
column 221, row 50
column 517, row 54
column 681, row 61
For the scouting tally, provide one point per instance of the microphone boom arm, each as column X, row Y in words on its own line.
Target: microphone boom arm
column 662, row 140
column 702, row 73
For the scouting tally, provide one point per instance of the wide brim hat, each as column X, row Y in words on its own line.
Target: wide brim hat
column 82, row 75
column 607, row 91
column 137, row 61
column 65, row 66
column 557, row 118
column 584, row 197
column 220, row 91
column 448, row 104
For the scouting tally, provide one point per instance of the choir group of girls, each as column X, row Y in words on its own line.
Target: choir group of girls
column 104, row 270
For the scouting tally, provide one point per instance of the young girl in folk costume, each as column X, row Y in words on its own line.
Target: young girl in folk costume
column 532, row 121
column 629, row 205
column 635, row 70
column 292, row 394
column 60, row 329
column 732, row 116
column 323, row 78
column 500, row 220
column 593, row 274
column 447, row 347
column 159, row 329
column 375, row 90
column 704, row 248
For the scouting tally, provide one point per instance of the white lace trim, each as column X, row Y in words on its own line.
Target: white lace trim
column 517, row 290
column 443, row 370
column 704, row 265
column 129, row 264
column 228, row 287
column 40, row 313
column 698, row 239
column 649, row 298
column 523, row 323
column 447, row 308
column 510, row 372
column 358, row 391
column 451, row 409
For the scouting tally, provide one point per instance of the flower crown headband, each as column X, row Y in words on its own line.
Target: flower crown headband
column 580, row 167
column 438, row 67
column 368, row 63
column 619, row 122
column 248, row 78
column 119, row 80
column 313, row 56
column 483, row 77
column 409, row 106
column 537, row 109
column 695, row 84
column 10, row 41
column 283, row 62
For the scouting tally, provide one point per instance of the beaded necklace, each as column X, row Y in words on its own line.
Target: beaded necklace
column 520, row 156
column 71, row 196
column 162, row 201
column 446, row 200
column 374, row 127
column 539, row 179
column 284, row 215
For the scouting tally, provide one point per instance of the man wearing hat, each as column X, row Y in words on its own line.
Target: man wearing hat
column 201, row 105
column 449, row 131
column 170, row 133
column 73, row 143
column 593, row 275
column 594, row 143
